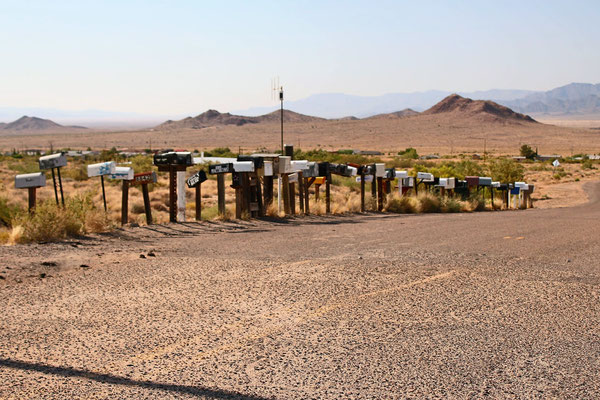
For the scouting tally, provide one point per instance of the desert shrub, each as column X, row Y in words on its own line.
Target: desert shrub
column 220, row 152
column 138, row 208
column 429, row 203
column 451, row 205
column 50, row 222
column 477, row 202
column 25, row 165
column 8, row 212
column 141, row 163
column 506, row 170
column 398, row 162
column 77, row 172
column 409, row 153
column 401, row 204
column 527, row 152
column 587, row 164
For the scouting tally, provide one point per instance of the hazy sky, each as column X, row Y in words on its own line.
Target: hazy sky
column 178, row 57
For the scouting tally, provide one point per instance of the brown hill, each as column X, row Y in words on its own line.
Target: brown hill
column 407, row 112
column 215, row 118
column 34, row 124
column 483, row 110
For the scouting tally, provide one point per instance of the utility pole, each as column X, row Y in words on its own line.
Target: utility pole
column 281, row 100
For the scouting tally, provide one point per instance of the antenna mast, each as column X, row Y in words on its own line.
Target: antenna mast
column 275, row 89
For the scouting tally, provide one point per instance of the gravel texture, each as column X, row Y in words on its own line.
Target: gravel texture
column 498, row 304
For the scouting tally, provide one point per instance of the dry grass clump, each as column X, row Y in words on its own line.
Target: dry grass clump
column 401, row 204
column 50, row 222
column 429, row 203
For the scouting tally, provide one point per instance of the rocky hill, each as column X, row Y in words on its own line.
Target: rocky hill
column 35, row 124
column 215, row 118
column 407, row 112
column 484, row 110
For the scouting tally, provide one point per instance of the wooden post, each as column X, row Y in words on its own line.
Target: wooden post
column 285, row 192
column 239, row 201
column 246, row 193
column 416, row 185
column 268, row 190
column 380, row 194
column 374, row 192
column 317, row 190
column 301, row 192
column 172, row 194
column 62, row 196
column 221, row 193
column 306, row 194
column 492, row 195
column 198, row 202
column 293, row 198
column 32, row 196
column 125, row 203
column 54, row 184
column 362, row 192
column 328, row 194
column 147, row 207
column 103, row 193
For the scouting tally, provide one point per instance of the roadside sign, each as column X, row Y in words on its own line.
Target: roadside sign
column 555, row 163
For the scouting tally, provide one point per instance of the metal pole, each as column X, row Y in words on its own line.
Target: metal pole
column 54, row 181
column 62, row 196
column 103, row 193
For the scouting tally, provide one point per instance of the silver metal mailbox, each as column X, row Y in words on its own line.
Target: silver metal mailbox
column 299, row 165
column 443, row 182
column 352, row 171
column 124, row 173
column 425, row 176
column 35, row 180
column 53, row 161
column 268, row 168
column 485, row 181
column 495, row 184
column 285, row 165
column 312, row 170
column 293, row 178
column 243, row 166
column 450, row 183
column 521, row 185
column 380, row 170
column 100, row 169
column 401, row 174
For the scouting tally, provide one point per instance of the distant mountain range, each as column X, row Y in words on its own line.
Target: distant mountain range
column 570, row 100
column 31, row 124
column 453, row 106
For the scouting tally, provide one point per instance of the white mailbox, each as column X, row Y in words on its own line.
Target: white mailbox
column 443, row 182
column 124, row 173
column 101, row 169
column 268, row 168
column 368, row 178
column 35, row 180
column 293, row 178
column 450, row 183
column 299, row 165
column 425, row 176
column 401, row 174
column 243, row 166
column 495, row 184
column 521, row 185
column 53, row 161
column 379, row 170
column 353, row 170
column 285, row 165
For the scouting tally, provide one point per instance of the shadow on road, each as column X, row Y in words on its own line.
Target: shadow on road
column 118, row 380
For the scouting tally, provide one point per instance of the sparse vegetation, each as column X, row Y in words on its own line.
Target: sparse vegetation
column 527, row 152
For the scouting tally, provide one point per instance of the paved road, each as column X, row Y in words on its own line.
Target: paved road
column 499, row 304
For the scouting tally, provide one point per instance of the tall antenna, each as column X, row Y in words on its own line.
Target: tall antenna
column 277, row 94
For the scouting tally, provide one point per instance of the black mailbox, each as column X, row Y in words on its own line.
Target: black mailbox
column 236, row 180
column 369, row 169
column 390, row 173
column 196, row 179
column 220, row 168
column 173, row 158
column 324, row 169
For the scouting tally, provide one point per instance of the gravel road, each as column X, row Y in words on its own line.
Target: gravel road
column 498, row 304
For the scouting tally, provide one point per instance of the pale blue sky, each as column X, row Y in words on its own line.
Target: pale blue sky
column 182, row 57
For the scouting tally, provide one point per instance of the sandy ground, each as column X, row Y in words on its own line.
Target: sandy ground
column 499, row 304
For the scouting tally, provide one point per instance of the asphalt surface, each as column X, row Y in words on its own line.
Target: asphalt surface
column 498, row 304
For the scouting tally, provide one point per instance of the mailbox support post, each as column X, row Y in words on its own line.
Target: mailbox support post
column 285, row 183
column 125, row 203
column 374, row 191
column 379, row 194
column 362, row 192
column 301, row 191
column 103, row 193
column 172, row 194
column 198, row 203
column 62, row 196
column 268, row 190
column 32, row 196
column 54, row 184
column 221, row 193
column 292, row 198
column 328, row 194
column 147, row 204
column 307, row 183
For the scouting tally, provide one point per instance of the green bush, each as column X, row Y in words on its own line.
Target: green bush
column 451, row 205
column 506, row 170
column 527, row 152
column 8, row 212
column 409, row 153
